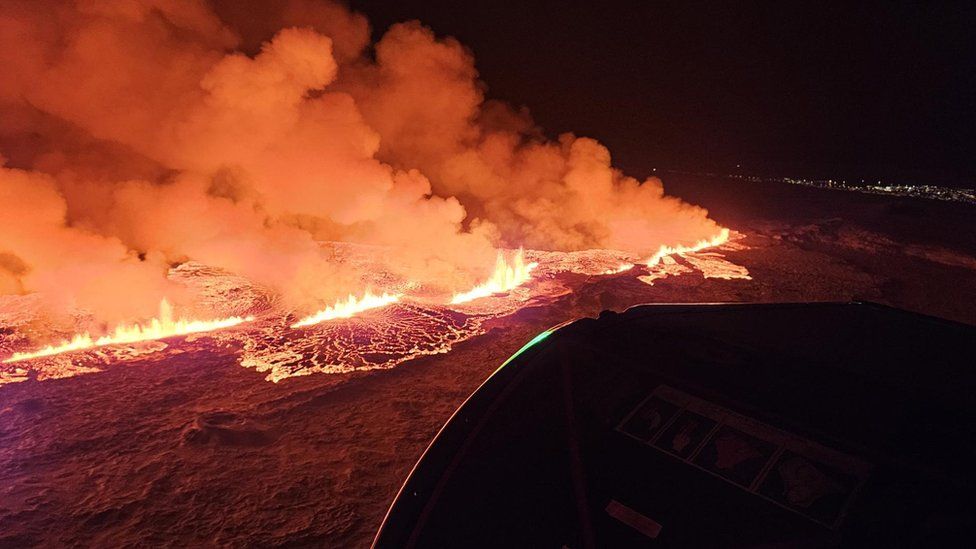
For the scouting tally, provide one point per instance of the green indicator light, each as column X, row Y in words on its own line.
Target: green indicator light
column 534, row 340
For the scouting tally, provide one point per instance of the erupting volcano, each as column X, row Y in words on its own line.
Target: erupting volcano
column 141, row 137
column 254, row 254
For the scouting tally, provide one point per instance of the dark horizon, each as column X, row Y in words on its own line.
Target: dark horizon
column 881, row 91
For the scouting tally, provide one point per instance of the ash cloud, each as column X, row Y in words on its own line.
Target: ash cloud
column 141, row 133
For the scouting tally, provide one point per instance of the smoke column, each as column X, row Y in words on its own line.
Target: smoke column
column 138, row 134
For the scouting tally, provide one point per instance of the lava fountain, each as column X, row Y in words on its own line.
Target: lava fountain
column 351, row 306
column 721, row 238
column 161, row 327
column 505, row 278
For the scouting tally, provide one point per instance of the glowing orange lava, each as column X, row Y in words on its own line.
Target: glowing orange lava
column 721, row 238
column 158, row 328
column 619, row 269
column 349, row 307
column 505, row 278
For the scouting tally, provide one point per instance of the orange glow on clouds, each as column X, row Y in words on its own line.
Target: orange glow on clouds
column 230, row 153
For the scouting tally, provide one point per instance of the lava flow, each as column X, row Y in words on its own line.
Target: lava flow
column 349, row 307
column 623, row 267
column 721, row 238
column 158, row 328
column 505, row 278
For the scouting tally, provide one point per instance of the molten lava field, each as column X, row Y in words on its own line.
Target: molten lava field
column 374, row 332
column 186, row 438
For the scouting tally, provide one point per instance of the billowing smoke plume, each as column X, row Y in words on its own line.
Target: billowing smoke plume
column 136, row 134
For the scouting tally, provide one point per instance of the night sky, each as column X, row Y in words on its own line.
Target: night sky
column 843, row 91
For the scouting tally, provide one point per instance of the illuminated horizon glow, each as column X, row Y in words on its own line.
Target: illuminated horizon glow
column 346, row 309
column 161, row 327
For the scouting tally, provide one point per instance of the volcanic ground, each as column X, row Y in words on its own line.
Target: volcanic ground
column 265, row 435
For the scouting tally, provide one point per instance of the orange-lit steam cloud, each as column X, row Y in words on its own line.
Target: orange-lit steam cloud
column 141, row 133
